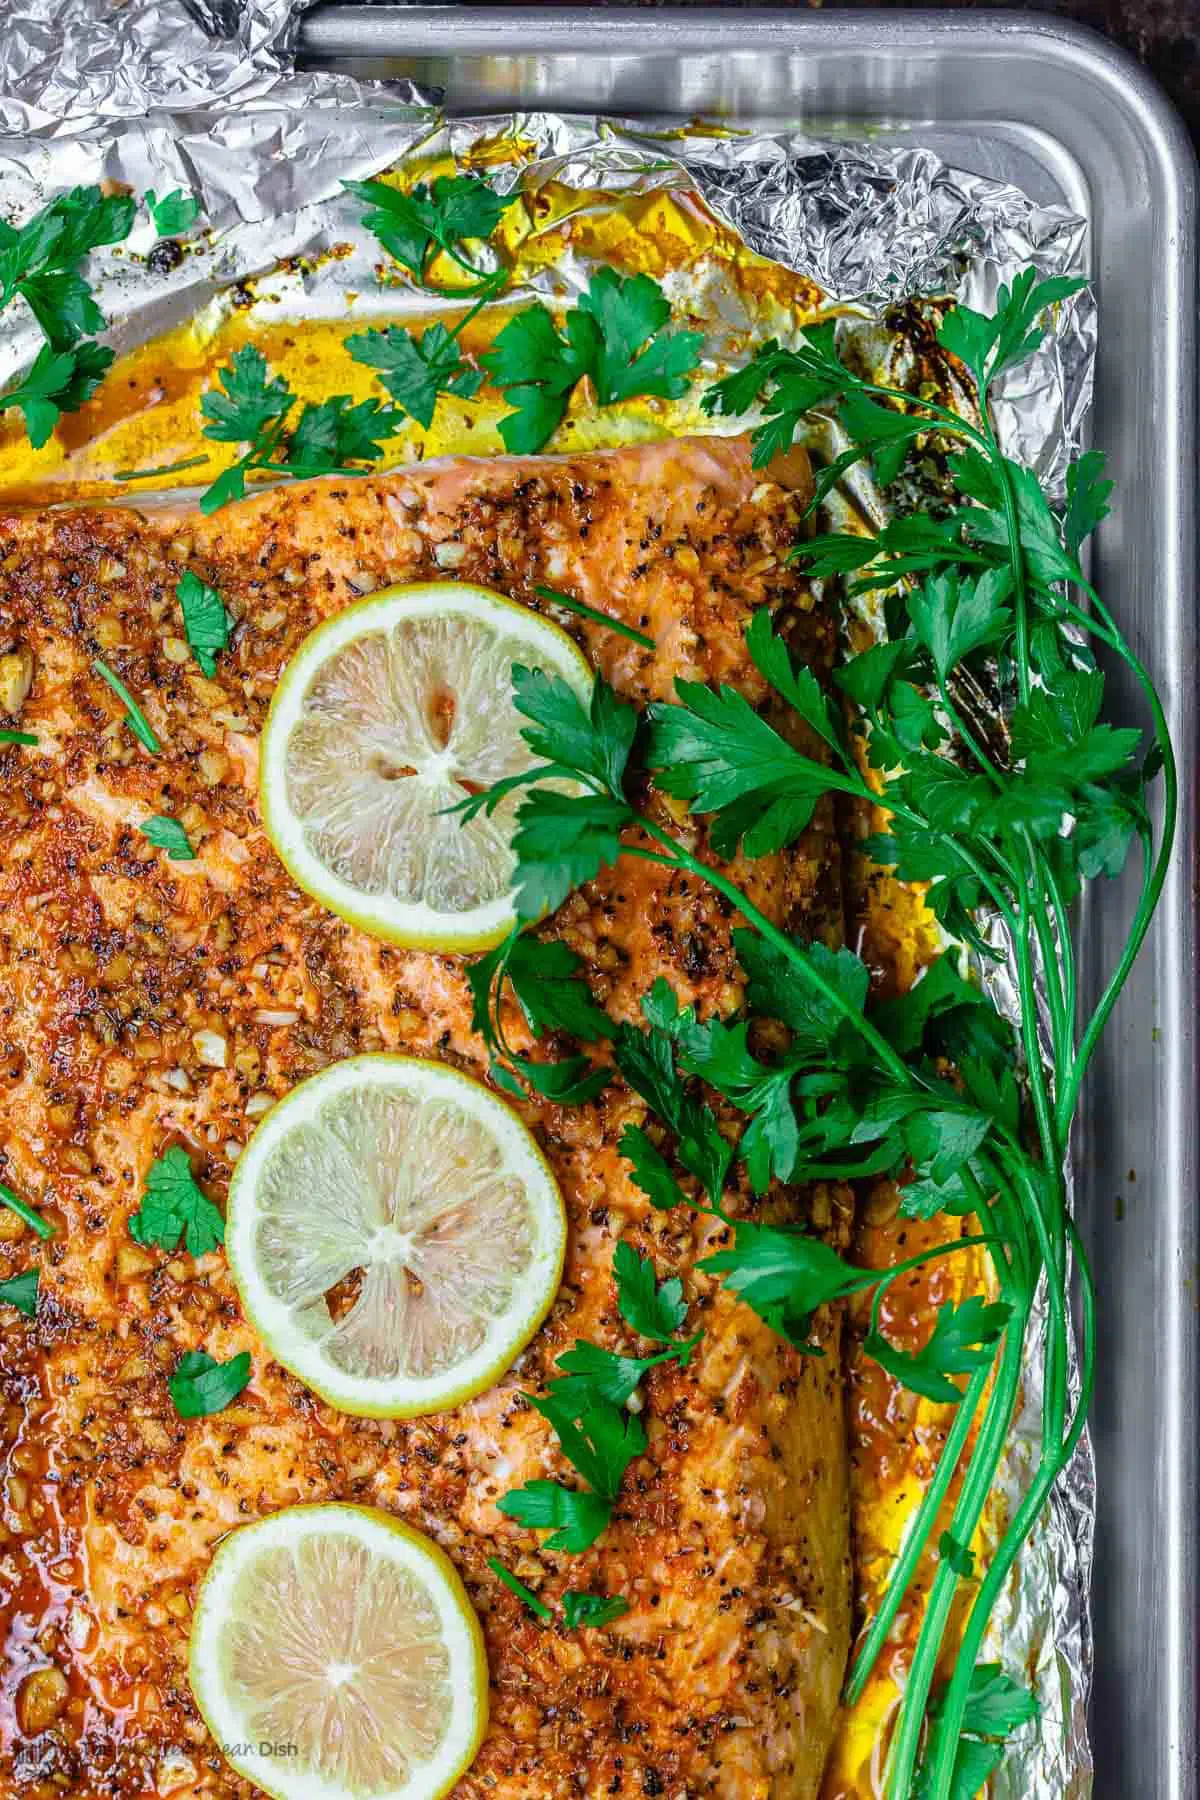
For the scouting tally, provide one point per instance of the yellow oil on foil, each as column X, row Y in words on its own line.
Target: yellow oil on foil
column 147, row 416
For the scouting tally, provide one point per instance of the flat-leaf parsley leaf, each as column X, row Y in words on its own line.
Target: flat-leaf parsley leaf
column 416, row 368
column 21, row 1291
column 201, row 1385
column 205, row 620
column 612, row 336
column 655, row 1309
column 168, row 834
column 174, row 1206
column 963, row 1339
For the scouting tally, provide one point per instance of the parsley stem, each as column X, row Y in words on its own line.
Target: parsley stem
column 472, row 312
column 1087, row 1357
column 487, row 282
column 951, row 420
column 1116, row 982
column 916, row 1536
column 1051, row 1244
column 968, row 737
column 175, row 468
column 1156, row 870
column 1066, row 951
column 881, row 1279
column 1057, row 957
column 1034, row 1066
column 679, row 857
column 260, row 454
column 972, row 1499
column 497, row 990
column 139, row 724
column 890, row 1058
column 307, row 472
column 1016, row 553
column 1025, row 1517
column 24, row 1211
column 685, row 1346
column 597, row 618
column 524, row 1594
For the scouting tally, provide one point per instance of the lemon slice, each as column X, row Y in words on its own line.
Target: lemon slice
column 335, row 1656
column 395, row 1234
column 389, row 714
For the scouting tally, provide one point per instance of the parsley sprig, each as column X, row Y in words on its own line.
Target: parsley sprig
column 417, row 227
column 587, row 1405
column 1004, row 824
column 551, row 995
column 419, row 224
column 41, row 264
column 417, row 368
column 615, row 337
column 251, row 406
column 817, row 1095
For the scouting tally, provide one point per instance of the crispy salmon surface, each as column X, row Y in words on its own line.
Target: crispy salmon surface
column 145, row 1003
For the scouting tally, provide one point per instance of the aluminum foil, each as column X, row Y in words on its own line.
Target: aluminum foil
column 64, row 59
column 202, row 95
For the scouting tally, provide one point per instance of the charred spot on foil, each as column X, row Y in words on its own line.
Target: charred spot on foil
column 166, row 255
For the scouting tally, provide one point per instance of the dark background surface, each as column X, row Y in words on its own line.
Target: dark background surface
column 1163, row 34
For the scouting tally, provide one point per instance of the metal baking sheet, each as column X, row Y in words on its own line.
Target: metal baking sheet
column 1069, row 119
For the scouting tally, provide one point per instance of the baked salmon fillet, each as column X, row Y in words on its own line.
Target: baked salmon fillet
column 145, row 1003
